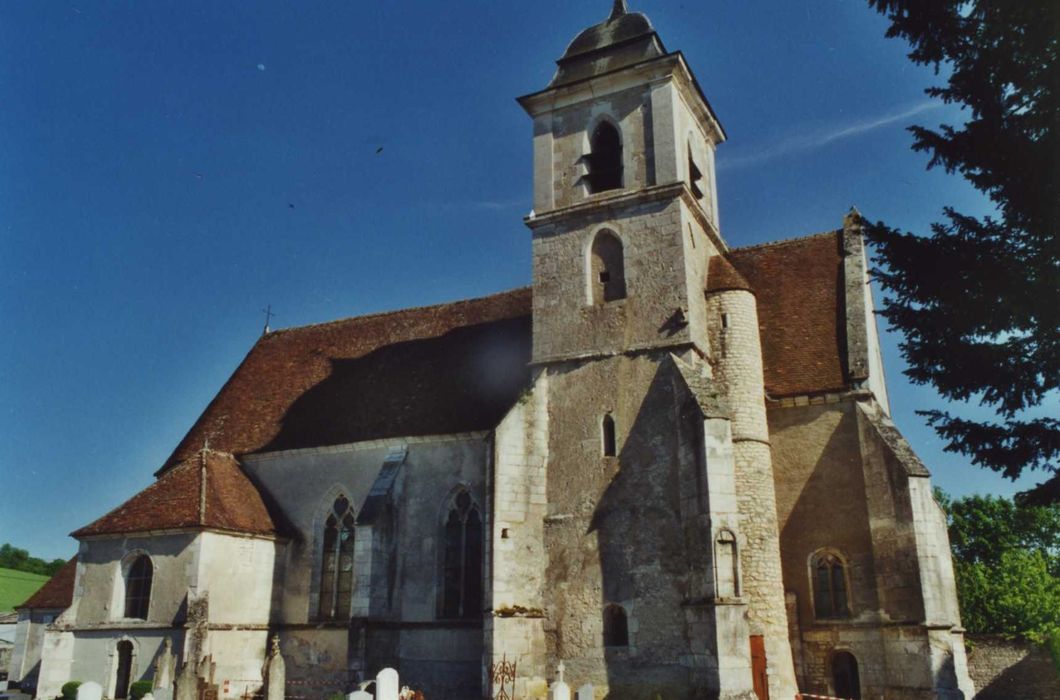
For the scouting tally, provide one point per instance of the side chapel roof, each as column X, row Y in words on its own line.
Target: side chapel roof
column 450, row 368
column 57, row 592
column 207, row 490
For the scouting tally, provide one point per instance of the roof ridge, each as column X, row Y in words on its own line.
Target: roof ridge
column 394, row 312
column 786, row 241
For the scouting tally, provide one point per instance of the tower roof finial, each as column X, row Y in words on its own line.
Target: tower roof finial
column 618, row 10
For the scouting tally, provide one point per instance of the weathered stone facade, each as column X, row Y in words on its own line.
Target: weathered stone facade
column 667, row 465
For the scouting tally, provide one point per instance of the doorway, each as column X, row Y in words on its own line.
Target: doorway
column 845, row 676
column 121, row 683
column 759, row 674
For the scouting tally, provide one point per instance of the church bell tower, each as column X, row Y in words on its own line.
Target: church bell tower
column 625, row 202
column 659, row 546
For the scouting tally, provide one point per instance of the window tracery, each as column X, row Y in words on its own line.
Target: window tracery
column 336, row 566
column 462, row 566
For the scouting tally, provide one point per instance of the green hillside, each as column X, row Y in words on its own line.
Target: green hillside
column 16, row 587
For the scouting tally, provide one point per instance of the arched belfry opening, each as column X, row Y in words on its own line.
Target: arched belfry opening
column 607, row 268
column 605, row 159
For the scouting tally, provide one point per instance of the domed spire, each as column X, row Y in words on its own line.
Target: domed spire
column 619, row 10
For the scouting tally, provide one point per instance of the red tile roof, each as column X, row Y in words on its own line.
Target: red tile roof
column 434, row 370
column 445, row 369
column 723, row 277
column 57, row 592
column 799, row 287
column 207, row 490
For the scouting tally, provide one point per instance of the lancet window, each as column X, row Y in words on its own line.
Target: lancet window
column 336, row 566
column 829, row 586
column 462, row 566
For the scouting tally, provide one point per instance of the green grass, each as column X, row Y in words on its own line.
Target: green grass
column 16, row 587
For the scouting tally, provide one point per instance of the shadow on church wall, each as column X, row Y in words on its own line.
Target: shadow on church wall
column 462, row 381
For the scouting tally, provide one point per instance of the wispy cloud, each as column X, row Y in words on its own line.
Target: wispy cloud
column 496, row 205
column 808, row 142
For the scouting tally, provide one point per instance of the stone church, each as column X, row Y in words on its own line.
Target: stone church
column 668, row 463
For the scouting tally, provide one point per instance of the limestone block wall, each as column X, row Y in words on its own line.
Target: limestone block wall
column 737, row 361
column 1005, row 669
column 305, row 483
column 239, row 572
column 614, row 531
column 29, row 640
column 99, row 590
column 516, row 560
column 566, row 324
column 566, row 133
column 397, row 561
column 821, row 502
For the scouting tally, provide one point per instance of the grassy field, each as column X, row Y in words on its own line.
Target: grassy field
column 16, row 587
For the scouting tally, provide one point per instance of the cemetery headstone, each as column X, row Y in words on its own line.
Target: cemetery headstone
column 559, row 689
column 90, row 691
column 387, row 686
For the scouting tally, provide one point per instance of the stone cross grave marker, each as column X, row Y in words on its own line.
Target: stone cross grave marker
column 559, row 689
column 90, row 691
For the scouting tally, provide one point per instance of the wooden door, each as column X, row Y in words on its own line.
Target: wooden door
column 758, row 667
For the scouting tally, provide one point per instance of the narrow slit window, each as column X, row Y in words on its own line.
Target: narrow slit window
column 607, row 430
column 725, row 561
column 616, row 626
column 605, row 159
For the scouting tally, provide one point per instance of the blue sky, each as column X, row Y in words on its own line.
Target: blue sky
column 167, row 169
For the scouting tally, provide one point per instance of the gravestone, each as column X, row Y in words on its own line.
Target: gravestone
column 275, row 673
column 559, row 689
column 187, row 683
column 165, row 666
column 386, row 685
column 585, row 692
column 90, row 691
column 360, row 695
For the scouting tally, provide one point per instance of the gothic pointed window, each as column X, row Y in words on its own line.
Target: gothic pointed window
column 829, row 587
column 616, row 626
column 607, row 429
column 605, row 159
column 336, row 565
column 607, row 268
column 462, row 566
column 138, row 588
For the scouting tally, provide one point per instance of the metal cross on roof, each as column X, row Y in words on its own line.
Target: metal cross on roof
column 619, row 9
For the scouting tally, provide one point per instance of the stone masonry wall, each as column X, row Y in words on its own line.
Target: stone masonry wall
column 1004, row 669
column 738, row 367
column 566, row 325
column 516, row 562
column 613, row 531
